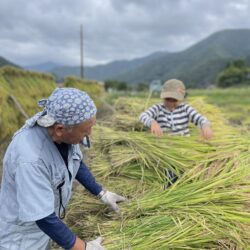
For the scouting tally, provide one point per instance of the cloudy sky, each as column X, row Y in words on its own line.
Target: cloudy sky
column 37, row 31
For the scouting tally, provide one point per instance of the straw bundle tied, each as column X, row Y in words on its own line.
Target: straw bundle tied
column 207, row 208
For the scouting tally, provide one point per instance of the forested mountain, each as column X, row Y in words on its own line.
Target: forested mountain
column 197, row 65
column 106, row 71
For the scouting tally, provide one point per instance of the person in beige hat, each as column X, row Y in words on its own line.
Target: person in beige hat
column 173, row 115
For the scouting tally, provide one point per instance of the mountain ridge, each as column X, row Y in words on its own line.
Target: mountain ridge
column 109, row 70
column 213, row 52
column 43, row 67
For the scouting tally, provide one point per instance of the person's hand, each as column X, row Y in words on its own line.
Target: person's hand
column 95, row 244
column 79, row 244
column 111, row 199
column 156, row 129
column 206, row 132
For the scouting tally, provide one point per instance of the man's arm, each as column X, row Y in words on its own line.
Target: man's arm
column 86, row 178
column 63, row 236
column 58, row 231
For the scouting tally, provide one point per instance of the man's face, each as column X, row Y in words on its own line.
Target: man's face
column 75, row 134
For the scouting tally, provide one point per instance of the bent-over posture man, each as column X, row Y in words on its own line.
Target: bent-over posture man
column 39, row 167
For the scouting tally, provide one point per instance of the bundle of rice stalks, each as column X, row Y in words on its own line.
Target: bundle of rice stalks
column 207, row 208
column 168, row 232
column 133, row 106
column 200, row 189
column 85, row 211
column 195, row 213
column 126, row 122
column 142, row 156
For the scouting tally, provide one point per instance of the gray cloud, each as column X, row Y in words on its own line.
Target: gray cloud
column 44, row 30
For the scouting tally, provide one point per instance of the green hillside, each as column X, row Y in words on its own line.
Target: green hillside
column 4, row 62
column 197, row 65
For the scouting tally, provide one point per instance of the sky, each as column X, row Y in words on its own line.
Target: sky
column 37, row 31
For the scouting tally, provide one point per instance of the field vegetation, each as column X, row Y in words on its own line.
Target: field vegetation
column 207, row 208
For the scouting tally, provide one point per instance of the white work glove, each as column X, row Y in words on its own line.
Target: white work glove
column 95, row 244
column 110, row 199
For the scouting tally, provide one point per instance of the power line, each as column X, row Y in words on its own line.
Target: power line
column 81, row 51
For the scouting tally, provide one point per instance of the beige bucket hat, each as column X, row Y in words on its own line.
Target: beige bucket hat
column 173, row 88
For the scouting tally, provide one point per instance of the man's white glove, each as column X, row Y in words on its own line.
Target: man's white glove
column 95, row 244
column 110, row 199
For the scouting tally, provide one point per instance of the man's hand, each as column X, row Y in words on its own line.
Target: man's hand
column 90, row 245
column 156, row 129
column 206, row 132
column 95, row 244
column 79, row 244
column 111, row 199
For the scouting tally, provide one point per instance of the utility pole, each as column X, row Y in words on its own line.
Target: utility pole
column 81, row 50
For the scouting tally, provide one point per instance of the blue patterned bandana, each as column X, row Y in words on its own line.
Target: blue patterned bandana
column 66, row 106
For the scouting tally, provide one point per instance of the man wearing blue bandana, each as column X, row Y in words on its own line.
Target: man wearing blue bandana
column 39, row 167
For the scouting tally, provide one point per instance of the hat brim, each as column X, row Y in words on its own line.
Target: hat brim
column 173, row 95
column 46, row 121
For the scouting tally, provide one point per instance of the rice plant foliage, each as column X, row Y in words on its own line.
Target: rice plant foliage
column 195, row 213
column 208, row 207
column 19, row 91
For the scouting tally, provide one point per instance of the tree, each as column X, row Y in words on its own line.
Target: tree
column 115, row 85
column 122, row 86
column 235, row 73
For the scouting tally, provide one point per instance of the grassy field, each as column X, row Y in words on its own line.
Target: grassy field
column 234, row 102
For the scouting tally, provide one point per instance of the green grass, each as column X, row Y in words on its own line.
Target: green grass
column 234, row 102
column 224, row 97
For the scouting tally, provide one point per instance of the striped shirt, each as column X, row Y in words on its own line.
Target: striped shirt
column 174, row 122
